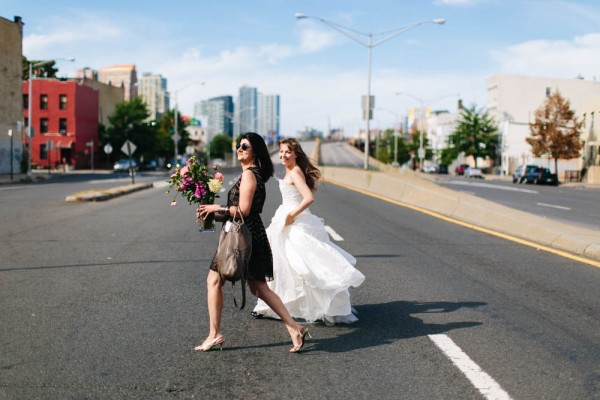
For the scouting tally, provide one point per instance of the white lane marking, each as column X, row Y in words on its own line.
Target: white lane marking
column 553, row 206
column 490, row 186
column 487, row 386
column 333, row 234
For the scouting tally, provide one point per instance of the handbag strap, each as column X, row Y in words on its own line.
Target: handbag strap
column 237, row 211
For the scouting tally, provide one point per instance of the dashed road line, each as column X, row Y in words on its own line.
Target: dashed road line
column 553, row 206
column 333, row 234
column 487, row 386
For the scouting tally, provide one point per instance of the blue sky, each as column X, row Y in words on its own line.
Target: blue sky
column 320, row 73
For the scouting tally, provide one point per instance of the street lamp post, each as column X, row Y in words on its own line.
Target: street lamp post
column 369, row 44
column 29, row 105
column 176, row 122
column 10, row 134
column 421, row 153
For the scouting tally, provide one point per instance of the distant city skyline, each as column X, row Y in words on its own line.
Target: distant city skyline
column 319, row 73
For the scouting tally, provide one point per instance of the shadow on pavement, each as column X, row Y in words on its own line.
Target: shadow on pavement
column 383, row 324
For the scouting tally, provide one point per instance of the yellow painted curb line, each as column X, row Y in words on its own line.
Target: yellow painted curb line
column 471, row 226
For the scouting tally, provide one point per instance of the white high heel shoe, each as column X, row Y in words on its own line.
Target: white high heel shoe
column 207, row 346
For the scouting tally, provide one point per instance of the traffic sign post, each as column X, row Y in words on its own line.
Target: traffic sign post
column 128, row 148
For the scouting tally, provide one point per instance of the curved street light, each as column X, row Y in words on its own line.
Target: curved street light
column 30, row 104
column 176, row 119
column 422, row 102
column 370, row 44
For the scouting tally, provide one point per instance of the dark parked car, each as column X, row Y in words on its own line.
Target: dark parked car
column 149, row 165
column 541, row 176
column 442, row 169
column 522, row 170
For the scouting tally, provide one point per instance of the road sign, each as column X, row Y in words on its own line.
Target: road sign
column 127, row 147
column 421, row 153
column 108, row 148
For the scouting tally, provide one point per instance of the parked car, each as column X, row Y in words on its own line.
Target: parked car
column 460, row 169
column 522, row 170
column 541, row 176
column 472, row 172
column 150, row 165
column 442, row 169
column 430, row 168
column 124, row 166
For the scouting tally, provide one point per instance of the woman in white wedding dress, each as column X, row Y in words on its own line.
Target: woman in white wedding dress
column 311, row 274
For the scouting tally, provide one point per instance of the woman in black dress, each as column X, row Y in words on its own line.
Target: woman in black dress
column 249, row 194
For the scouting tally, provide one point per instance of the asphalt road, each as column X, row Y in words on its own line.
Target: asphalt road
column 106, row 300
column 571, row 204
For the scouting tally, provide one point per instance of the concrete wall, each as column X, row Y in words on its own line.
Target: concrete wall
column 409, row 189
column 11, row 100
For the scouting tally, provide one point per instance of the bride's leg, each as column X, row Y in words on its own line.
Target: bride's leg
column 264, row 292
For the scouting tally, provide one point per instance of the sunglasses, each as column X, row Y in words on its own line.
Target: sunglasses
column 243, row 146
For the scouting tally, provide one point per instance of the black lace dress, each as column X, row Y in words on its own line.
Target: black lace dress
column 260, row 267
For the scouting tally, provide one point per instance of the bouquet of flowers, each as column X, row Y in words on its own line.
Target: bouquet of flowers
column 194, row 182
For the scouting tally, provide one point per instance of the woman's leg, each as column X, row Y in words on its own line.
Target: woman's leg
column 215, row 304
column 264, row 292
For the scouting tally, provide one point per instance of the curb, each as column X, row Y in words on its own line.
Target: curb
column 107, row 194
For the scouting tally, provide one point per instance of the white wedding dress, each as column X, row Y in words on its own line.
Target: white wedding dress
column 311, row 274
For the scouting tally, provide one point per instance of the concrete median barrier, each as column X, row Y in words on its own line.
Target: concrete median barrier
column 409, row 189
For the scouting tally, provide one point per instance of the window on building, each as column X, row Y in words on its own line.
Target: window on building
column 43, row 102
column 43, row 125
column 25, row 101
column 62, row 102
column 591, row 121
column 62, row 126
column 26, row 122
column 43, row 152
column 548, row 91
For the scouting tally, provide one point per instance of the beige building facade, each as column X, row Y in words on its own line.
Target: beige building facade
column 590, row 113
column 11, row 98
column 513, row 100
column 153, row 89
column 120, row 76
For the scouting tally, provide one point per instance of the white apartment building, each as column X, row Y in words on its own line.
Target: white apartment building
column 121, row 76
column 268, row 117
column 218, row 114
column 512, row 102
column 153, row 89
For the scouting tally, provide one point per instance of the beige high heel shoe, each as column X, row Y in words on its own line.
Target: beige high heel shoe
column 302, row 332
column 207, row 346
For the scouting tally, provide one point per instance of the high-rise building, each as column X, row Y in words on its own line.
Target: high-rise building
column 247, row 110
column 268, row 117
column 218, row 112
column 120, row 75
column 153, row 89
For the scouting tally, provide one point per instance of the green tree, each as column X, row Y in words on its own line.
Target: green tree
column 47, row 70
column 219, row 146
column 555, row 131
column 476, row 135
column 128, row 122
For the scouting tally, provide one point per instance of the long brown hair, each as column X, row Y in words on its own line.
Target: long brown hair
column 311, row 173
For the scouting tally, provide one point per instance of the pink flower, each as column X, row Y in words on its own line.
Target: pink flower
column 183, row 170
column 219, row 176
column 173, row 203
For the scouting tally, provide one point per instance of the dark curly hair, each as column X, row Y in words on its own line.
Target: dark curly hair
column 261, row 154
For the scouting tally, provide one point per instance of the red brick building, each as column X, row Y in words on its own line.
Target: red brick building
column 65, row 122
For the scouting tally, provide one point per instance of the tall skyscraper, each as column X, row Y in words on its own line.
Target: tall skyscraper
column 247, row 110
column 120, row 75
column 268, row 117
column 153, row 89
column 218, row 112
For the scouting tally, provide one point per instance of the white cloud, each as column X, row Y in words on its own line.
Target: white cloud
column 456, row 2
column 314, row 40
column 559, row 58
